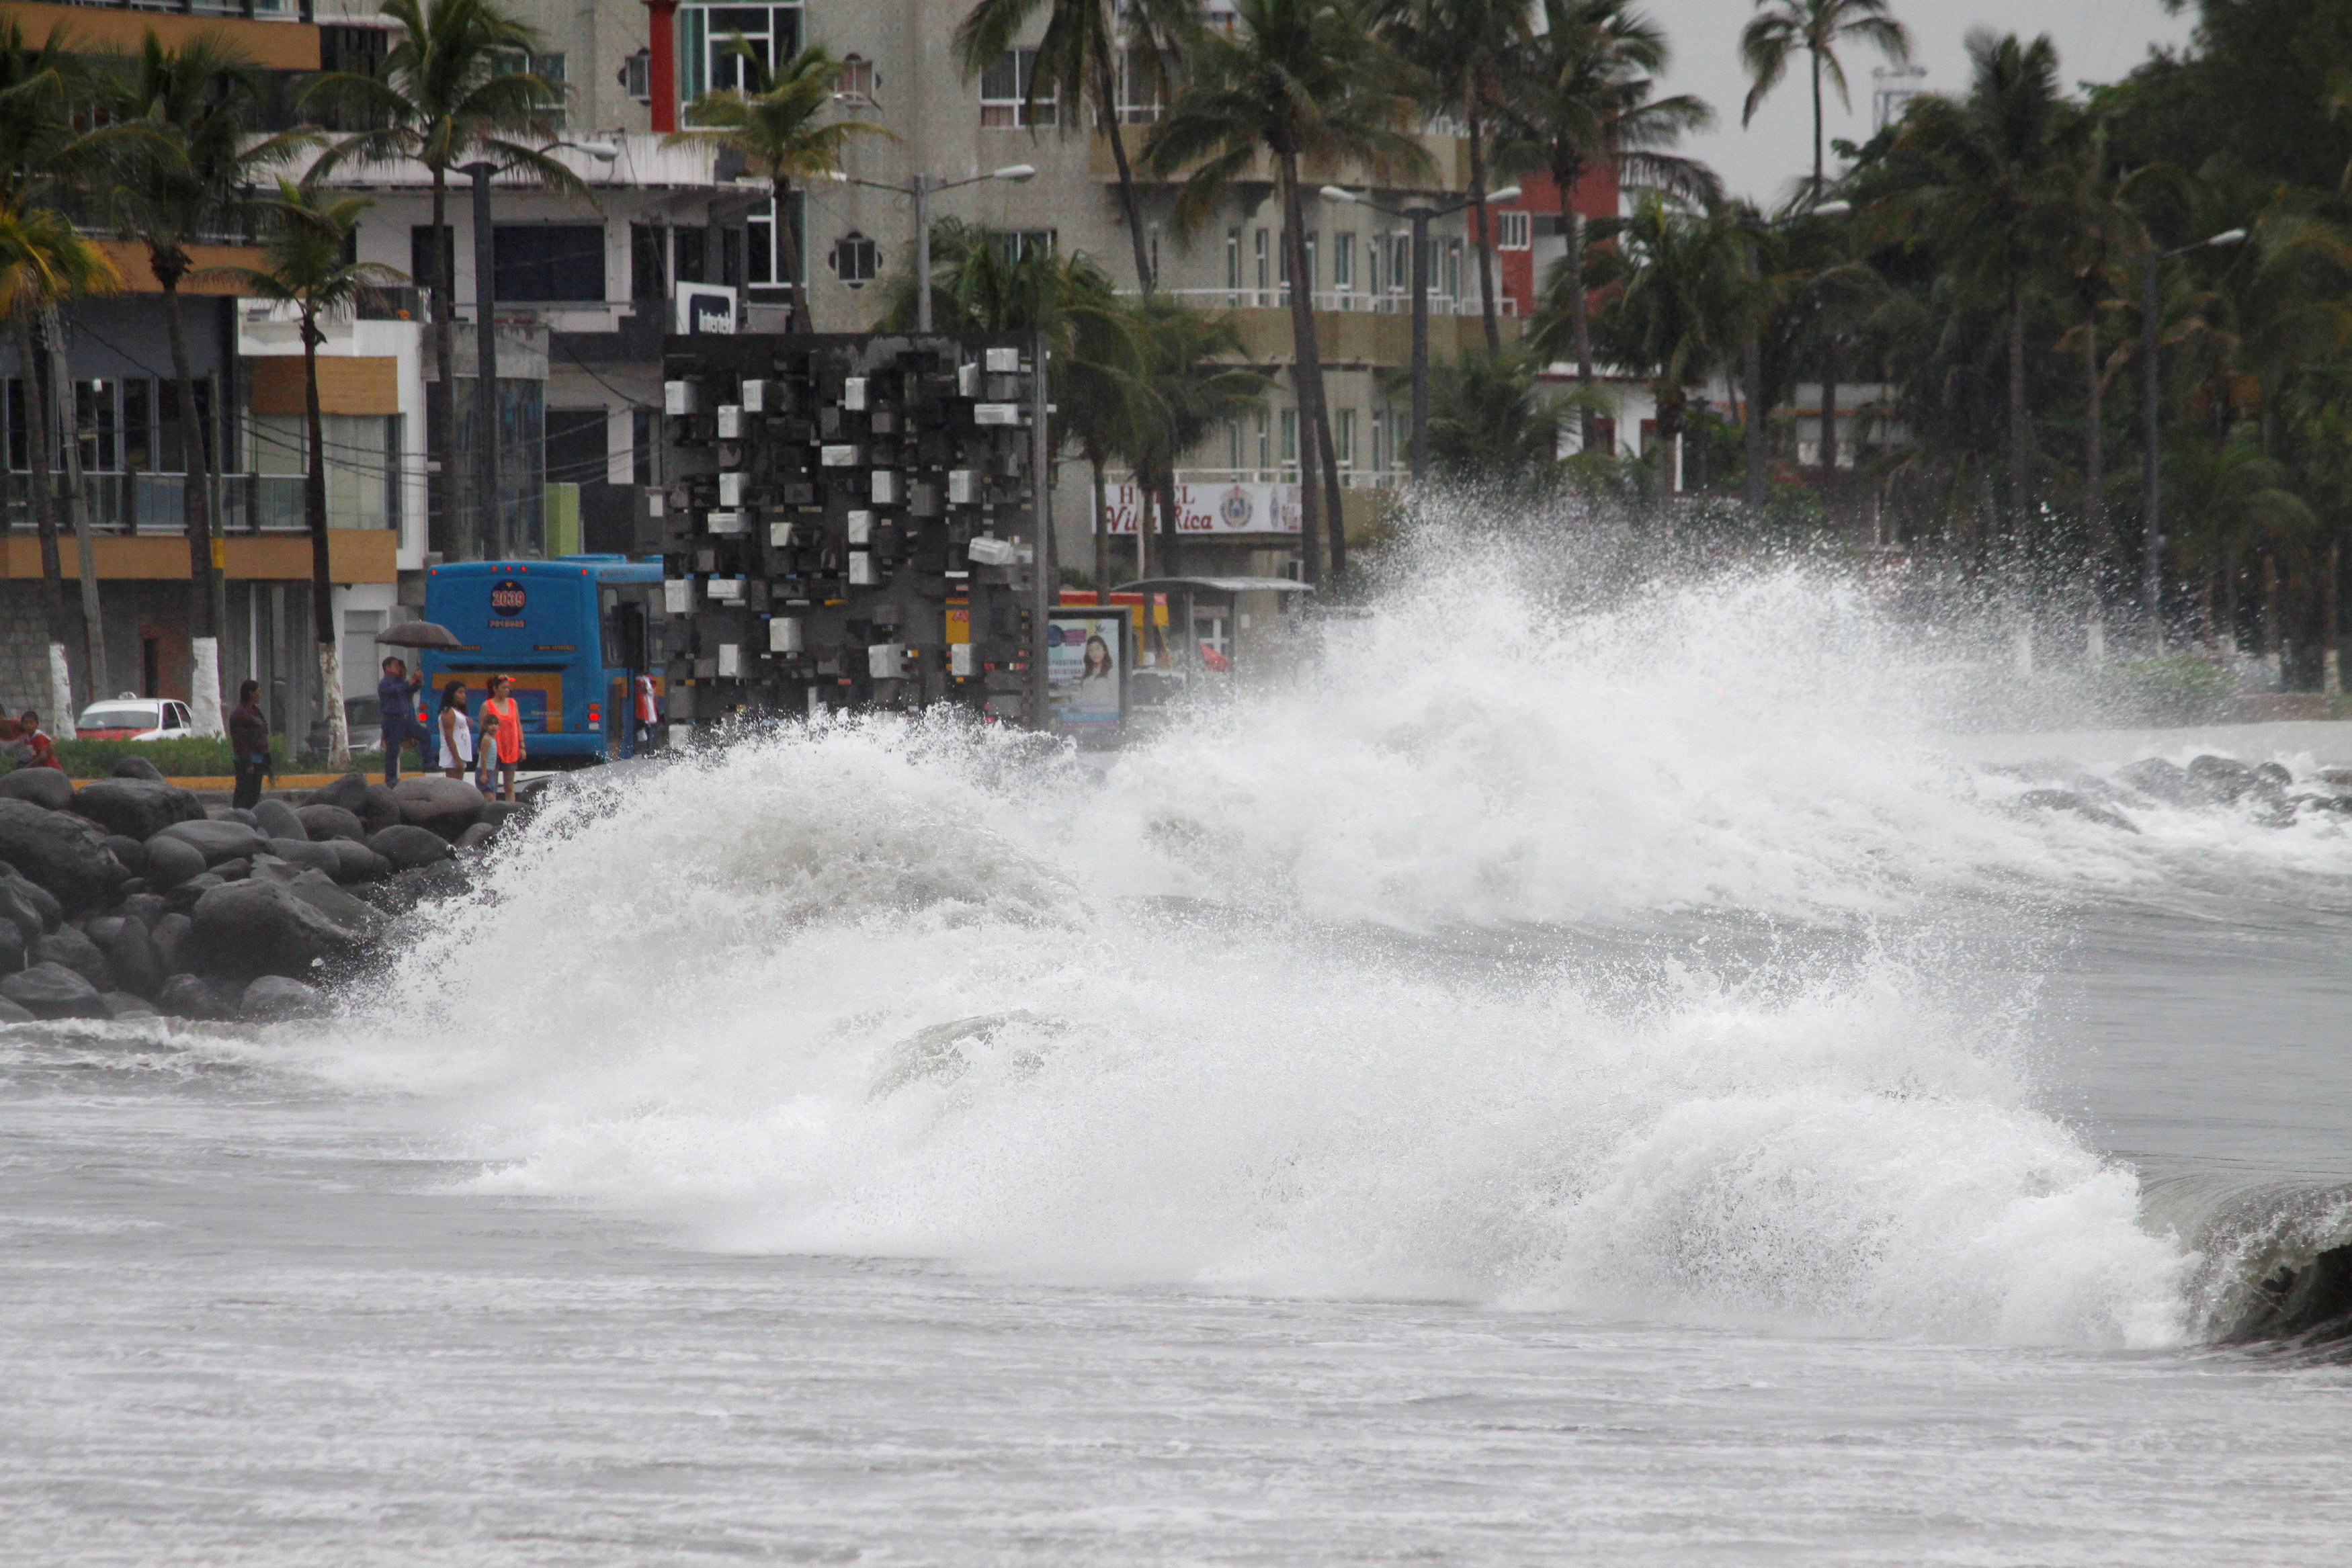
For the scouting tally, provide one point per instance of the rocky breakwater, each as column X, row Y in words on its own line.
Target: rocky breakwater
column 128, row 897
column 2267, row 793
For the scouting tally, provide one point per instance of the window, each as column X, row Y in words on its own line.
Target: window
column 1289, row 438
column 1260, row 252
column 765, row 258
column 1380, row 440
column 1512, row 231
column 420, row 258
column 710, row 56
column 646, row 272
column 857, row 82
column 1451, row 289
column 1141, row 79
column 575, row 447
column 1233, row 269
column 95, row 420
column 1005, row 89
column 641, row 444
column 547, row 68
column 1015, row 245
column 637, row 76
column 551, row 263
column 1400, row 263
column 1343, row 437
column 855, row 260
column 1343, row 267
column 363, row 462
column 1234, row 445
column 1264, row 459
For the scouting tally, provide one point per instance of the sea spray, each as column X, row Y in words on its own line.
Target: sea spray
column 1383, row 981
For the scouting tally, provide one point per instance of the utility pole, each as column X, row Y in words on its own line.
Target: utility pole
column 489, row 518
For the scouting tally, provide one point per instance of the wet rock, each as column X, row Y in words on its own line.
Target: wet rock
column 400, row 893
column 129, row 852
column 10, row 1013
column 124, row 1004
column 278, row 820
column 76, row 951
column 144, row 907
column 189, row 997
column 2273, row 773
column 170, row 932
column 319, row 892
column 2340, row 805
column 273, row 998
column 348, row 793
column 2220, row 778
column 358, row 863
column 40, row 900
column 229, row 814
column 2069, row 802
column 171, row 861
column 444, row 806
column 101, row 928
column 21, row 915
column 407, row 847
column 137, row 767
column 321, row 822
column 61, row 852
column 217, row 841
column 499, row 813
column 2160, row 781
column 477, row 837
column 137, row 808
column 381, row 809
column 303, row 852
column 13, row 947
column 130, row 953
column 182, row 898
column 54, row 991
column 260, row 927
column 43, row 786
column 235, row 870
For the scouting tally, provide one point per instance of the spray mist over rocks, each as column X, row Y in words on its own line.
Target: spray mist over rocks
column 1377, row 981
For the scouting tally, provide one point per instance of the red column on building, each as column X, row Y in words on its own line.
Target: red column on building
column 661, row 22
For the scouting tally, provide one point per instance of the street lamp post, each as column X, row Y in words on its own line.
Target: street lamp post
column 489, row 518
column 2151, row 585
column 1752, row 358
column 922, row 188
column 1421, row 217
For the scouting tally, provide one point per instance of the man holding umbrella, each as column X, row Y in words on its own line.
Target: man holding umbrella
column 396, row 695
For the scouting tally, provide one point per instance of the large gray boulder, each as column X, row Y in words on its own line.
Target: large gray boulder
column 273, row 998
column 217, row 841
column 358, row 863
column 131, row 852
column 321, row 824
column 381, row 809
column 137, row 767
column 228, row 814
column 144, row 907
column 260, row 927
column 350, row 792
column 124, row 1004
column 400, row 893
column 171, row 861
column 10, row 1013
column 318, row 889
column 189, row 997
column 130, row 953
column 54, row 991
column 13, row 947
column 137, row 808
column 43, row 786
column 62, row 852
column 38, row 899
column 303, row 852
column 405, row 847
column 182, row 898
column 278, row 820
column 444, row 806
column 477, row 837
column 21, row 912
column 76, row 951
column 170, row 932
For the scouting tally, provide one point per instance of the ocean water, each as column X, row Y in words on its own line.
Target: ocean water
column 1599, row 1084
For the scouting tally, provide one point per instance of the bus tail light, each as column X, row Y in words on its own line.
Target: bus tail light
column 595, row 710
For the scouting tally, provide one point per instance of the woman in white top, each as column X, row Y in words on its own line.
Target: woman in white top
column 457, row 731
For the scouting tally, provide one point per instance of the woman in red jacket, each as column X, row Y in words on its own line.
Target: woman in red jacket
column 502, row 724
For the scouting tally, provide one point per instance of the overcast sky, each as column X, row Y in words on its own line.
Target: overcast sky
column 2098, row 40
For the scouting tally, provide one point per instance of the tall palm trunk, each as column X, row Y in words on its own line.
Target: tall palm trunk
column 2331, row 641
column 322, row 582
column 1479, row 215
column 39, row 422
column 1564, row 177
column 804, row 311
column 2017, row 442
column 451, row 537
column 1102, row 531
column 1172, row 549
column 1306, row 371
column 203, row 630
column 2270, row 647
column 1129, row 203
column 1820, row 169
column 93, row 624
column 1830, row 416
column 2095, row 477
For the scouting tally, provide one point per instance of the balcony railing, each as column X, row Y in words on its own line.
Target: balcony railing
column 1389, row 303
column 157, row 503
column 1350, row 477
column 252, row 10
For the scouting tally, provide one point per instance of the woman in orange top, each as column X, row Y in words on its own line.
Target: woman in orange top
column 502, row 722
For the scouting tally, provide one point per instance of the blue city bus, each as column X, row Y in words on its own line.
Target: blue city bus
column 571, row 631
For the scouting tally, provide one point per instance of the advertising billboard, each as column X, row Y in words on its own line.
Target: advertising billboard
column 1085, row 668
column 1224, row 509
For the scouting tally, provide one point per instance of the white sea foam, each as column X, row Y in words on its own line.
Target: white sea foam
column 1298, row 1072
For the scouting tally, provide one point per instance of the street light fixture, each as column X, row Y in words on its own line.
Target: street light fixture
column 923, row 188
column 1753, row 357
column 1421, row 217
column 2151, row 565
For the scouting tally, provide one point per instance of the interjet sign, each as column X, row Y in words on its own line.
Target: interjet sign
column 1212, row 508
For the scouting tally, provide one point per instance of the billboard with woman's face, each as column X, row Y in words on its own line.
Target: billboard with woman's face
column 1084, row 667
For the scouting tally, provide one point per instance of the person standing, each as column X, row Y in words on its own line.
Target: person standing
column 457, row 731
column 502, row 724
column 248, row 740
column 643, row 741
column 396, row 701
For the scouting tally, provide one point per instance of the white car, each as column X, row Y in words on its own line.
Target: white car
column 128, row 717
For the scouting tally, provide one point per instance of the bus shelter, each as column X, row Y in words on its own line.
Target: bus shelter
column 1218, row 629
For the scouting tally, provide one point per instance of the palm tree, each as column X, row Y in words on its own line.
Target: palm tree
column 1193, row 378
column 1685, row 306
column 1817, row 26
column 174, row 189
column 446, row 98
column 1299, row 79
column 1460, row 46
column 1488, row 424
column 1991, row 182
column 308, row 269
column 776, row 127
column 1075, row 65
column 1577, row 96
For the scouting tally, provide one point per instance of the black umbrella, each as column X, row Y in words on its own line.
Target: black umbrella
column 420, row 634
